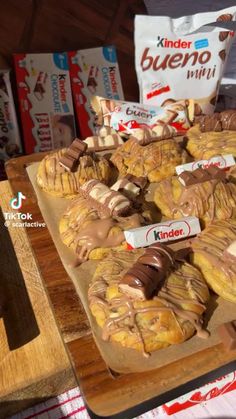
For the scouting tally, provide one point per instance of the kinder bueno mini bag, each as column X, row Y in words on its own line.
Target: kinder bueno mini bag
column 127, row 117
column 183, row 58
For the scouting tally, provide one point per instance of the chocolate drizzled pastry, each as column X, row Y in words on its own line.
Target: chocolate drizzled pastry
column 106, row 201
column 228, row 119
column 201, row 175
column 70, row 159
column 211, row 123
column 147, row 275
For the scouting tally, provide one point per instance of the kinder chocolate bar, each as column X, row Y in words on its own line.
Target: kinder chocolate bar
column 162, row 232
column 223, row 162
column 10, row 144
column 45, row 100
column 201, row 175
column 129, row 116
column 182, row 58
column 93, row 71
column 146, row 276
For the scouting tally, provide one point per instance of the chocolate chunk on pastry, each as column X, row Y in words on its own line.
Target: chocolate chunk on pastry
column 210, row 123
column 228, row 119
column 210, row 256
column 70, row 159
column 106, row 142
column 146, row 276
column 172, row 316
column 201, row 175
column 104, row 200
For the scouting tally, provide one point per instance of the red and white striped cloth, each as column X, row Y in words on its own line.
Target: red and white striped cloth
column 71, row 405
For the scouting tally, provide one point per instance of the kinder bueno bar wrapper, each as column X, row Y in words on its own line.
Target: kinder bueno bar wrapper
column 10, row 144
column 45, row 99
column 223, row 162
column 162, row 232
column 128, row 116
column 93, row 71
column 209, row 391
column 183, row 58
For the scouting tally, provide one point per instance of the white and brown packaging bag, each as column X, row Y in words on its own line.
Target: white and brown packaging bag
column 183, row 58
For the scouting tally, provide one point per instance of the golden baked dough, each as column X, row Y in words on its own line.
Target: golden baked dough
column 210, row 257
column 156, row 160
column 56, row 180
column 170, row 317
column 204, row 145
column 208, row 200
column 91, row 237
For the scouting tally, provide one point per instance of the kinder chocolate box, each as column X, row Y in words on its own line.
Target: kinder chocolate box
column 93, row 71
column 209, row 391
column 10, row 144
column 45, row 100
column 223, row 162
column 162, row 232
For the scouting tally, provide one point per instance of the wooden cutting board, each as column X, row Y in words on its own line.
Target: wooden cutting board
column 105, row 393
column 34, row 364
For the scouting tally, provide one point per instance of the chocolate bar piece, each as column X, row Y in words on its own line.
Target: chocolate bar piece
column 141, row 181
column 104, row 200
column 70, row 159
column 228, row 119
column 147, row 275
column 211, row 123
column 128, row 188
column 227, row 333
column 201, row 175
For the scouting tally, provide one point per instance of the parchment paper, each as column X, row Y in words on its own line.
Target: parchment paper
column 120, row 359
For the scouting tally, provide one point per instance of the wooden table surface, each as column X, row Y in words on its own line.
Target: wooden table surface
column 34, row 364
column 106, row 395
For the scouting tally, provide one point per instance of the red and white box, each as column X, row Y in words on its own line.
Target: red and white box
column 223, row 162
column 162, row 232
column 45, row 99
column 215, row 388
column 93, row 71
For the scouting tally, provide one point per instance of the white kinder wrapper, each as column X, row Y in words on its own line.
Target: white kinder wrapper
column 162, row 232
column 183, row 58
column 224, row 161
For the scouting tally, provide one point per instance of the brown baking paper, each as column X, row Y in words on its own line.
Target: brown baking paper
column 121, row 359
